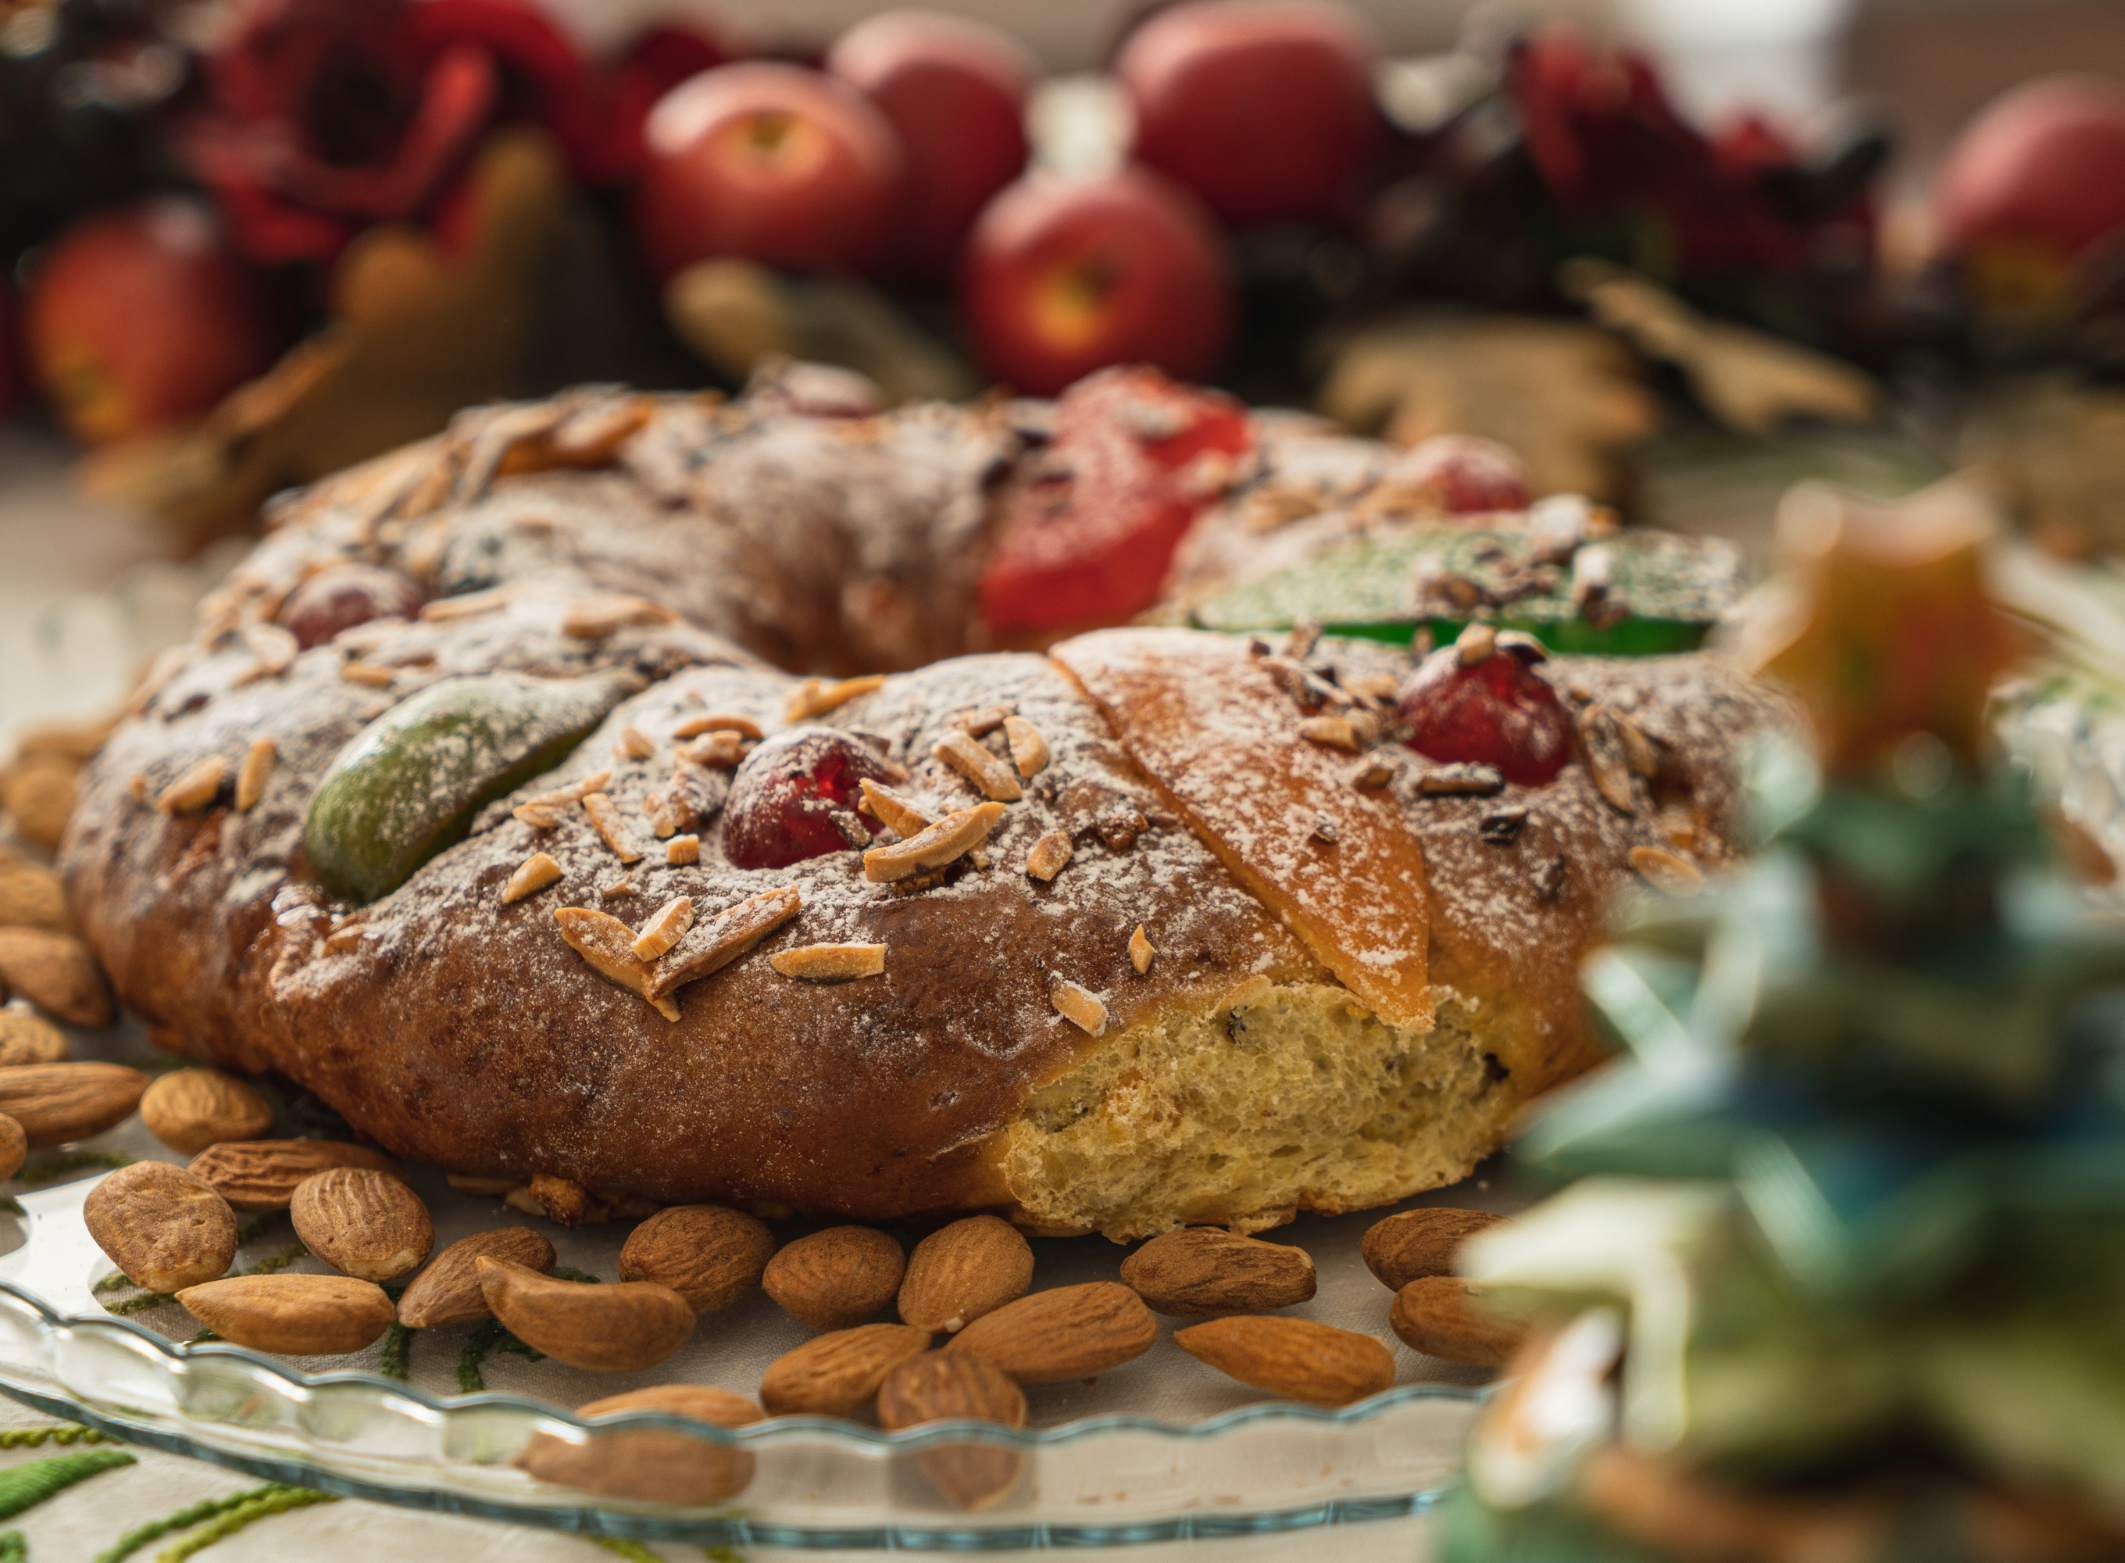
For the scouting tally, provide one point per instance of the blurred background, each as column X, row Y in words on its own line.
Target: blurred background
column 1677, row 254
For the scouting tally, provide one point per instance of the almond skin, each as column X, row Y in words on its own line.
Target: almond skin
column 448, row 1291
column 1442, row 1316
column 362, row 1222
column 14, row 1147
column 837, row 1374
column 30, row 1039
column 656, row 1467
column 56, row 1103
column 1068, row 1332
column 619, row 1327
column 255, row 1175
column 709, row 1254
column 962, row 1271
column 836, row 1278
column 1416, row 1243
column 1200, row 1272
column 293, row 1315
column 190, row 1109
column 165, row 1228
column 55, row 972
column 944, row 1386
column 1293, row 1358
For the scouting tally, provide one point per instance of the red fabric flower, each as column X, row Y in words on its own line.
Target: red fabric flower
column 324, row 116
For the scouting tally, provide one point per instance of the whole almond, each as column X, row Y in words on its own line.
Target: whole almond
column 31, row 897
column 1199, row 1272
column 55, row 972
column 838, row 1373
column 656, row 1467
column 836, row 1278
column 39, row 794
column 709, row 1254
column 962, row 1271
column 294, row 1315
column 618, row 1327
column 1417, row 1243
column 448, row 1291
column 14, row 1147
column 362, row 1222
column 30, row 1039
column 1295, row 1358
column 56, row 1103
column 255, row 1175
column 1442, row 1316
column 162, row 1226
column 1068, row 1332
column 190, row 1109
column 947, row 1386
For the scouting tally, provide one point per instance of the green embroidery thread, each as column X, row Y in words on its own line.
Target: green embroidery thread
column 634, row 1551
column 184, row 1519
column 491, row 1336
column 394, row 1360
column 70, row 1161
column 279, row 1501
column 276, row 1262
column 12, row 1205
column 30, row 1483
column 62, row 1433
column 14, row 1548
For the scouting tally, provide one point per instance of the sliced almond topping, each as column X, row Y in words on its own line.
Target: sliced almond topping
column 890, row 809
column 1029, row 751
column 1373, row 686
column 1079, row 1006
column 695, row 726
column 990, row 776
column 469, row 606
column 633, row 743
column 574, row 792
column 273, row 651
column 538, row 816
column 1336, row 732
column 138, row 786
column 817, row 696
column 196, row 788
column 1462, row 779
column 368, row 674
column 951, row 837
column 1608, row 756
column 1050, row 856
column 665, row 929
column 1678, row 876
column 618, row 888
column 1475, row 644
column 534, row 874
column 1373, row 775
column 720, row 750
column 608, row 944
column 594, row 618
column 258, row 762
column 714, row 944
column 829, row 962
column 982, row 720
column 683, row 849
column 612, row 830
column 1140, row 951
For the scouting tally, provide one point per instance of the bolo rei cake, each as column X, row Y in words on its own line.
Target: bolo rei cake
column 613, row 798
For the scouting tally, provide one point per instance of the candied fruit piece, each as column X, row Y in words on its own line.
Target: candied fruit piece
column 341, row 596
column 1465, row 473
column 1480, row 701
column 794, row 797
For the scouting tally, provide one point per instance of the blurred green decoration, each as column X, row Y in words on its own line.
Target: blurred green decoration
column 1851, row 1210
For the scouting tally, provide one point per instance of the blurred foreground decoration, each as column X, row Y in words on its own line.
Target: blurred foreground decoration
column 534, row 300
column 1841, row 1273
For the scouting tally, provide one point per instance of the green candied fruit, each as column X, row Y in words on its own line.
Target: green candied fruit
column 409, row 783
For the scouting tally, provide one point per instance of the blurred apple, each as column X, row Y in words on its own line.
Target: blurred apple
column 768, row 162
column 141, row 318
column 955, row 91
column 1064, row 276
column 2030, row 185
column 1264, row 108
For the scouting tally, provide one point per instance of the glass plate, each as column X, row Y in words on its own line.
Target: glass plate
column 1160, row 1449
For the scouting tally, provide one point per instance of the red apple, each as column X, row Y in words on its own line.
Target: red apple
column 955, row 91
column 141, row 318
column 773, row 163
column 1064, row 276
column 1264, row 108
column 2031, row 183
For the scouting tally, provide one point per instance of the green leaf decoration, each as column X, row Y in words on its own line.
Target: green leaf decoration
column 23, row 1486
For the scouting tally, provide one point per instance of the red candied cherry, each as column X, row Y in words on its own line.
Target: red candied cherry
column 1465, row 473
column 341, row 596
column 1479, row 701
column 795, row 797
